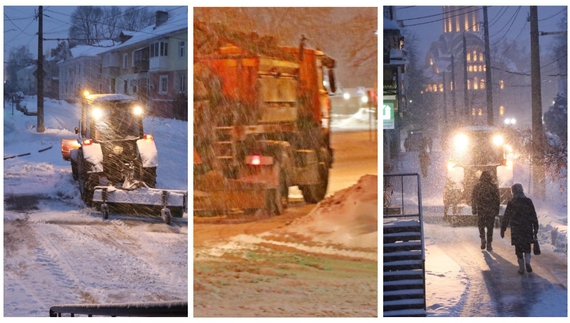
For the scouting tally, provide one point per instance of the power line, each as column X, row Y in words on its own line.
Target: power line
column 554, row 15
column 429, row 22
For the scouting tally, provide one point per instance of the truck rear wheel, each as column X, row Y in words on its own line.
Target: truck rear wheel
column 277, row 199
column 316, row 193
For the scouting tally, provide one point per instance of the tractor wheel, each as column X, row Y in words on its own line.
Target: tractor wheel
column 316, row 193
column 87, row 182
column 74, row 170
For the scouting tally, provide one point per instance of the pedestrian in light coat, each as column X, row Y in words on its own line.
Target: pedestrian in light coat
column 520, row 214
column 485, row 203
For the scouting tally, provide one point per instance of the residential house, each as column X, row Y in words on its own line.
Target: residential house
column 81, row 71
column 152, row 64
column 27, row 81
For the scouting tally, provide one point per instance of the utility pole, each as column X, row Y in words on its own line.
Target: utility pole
column 465, row 95
column 40, row 72
column 453, row 90
column 488, row 82
column 444, row 102
column 538, row 141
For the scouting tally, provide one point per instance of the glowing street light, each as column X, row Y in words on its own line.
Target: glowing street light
column 346, row 95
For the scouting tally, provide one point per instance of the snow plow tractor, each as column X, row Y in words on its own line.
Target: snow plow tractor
column 115, row 162
column 261, row 122
column 474, row 149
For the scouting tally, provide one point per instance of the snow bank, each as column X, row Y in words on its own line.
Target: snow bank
column 348, row 218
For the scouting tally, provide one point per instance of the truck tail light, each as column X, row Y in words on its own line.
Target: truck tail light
column 87, row 142
column 256, row 160
column 148, row 137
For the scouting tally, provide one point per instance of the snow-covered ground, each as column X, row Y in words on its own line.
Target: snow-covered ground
column 447, row 282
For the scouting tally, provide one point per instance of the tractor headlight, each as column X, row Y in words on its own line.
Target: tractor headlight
column 137, row 110
column 460, row 142
column 96, row 113
column 498, row 140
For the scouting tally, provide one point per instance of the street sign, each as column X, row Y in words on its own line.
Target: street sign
column 388, row 115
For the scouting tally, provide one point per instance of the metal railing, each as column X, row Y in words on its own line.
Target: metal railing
column 151, row 309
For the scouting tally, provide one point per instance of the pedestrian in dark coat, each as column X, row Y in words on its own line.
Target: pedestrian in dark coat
column 485, row 203
column 521, row 216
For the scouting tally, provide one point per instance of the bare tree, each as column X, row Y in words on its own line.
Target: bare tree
column 18, row 58
column 85, row 25
column 136, row 18
column 111, row 24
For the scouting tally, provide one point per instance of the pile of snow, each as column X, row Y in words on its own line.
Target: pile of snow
column 348, row 218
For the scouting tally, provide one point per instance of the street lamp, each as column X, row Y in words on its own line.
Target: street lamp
column 346, row 95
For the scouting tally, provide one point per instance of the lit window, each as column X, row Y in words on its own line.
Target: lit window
column 469, row 84
column 451, row 85
column 469, row 57
column 501, row 84
column 441, row 88
column 482, row 84
column 480, row 68
column 475, row 83
column 437, row 70
column 480, row 112
column 484, row 68
column 481, row 57
column 501, row 110
column 474, row 55
column 430, row 61
column 470, row 68
column 473, row 111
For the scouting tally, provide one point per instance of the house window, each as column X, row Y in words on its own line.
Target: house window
column 163, row 84
column 475, row 83
column 501, row 110
column 182, row 83
column 181, row 49
column 159, row 49
column 501, row 84
column 125, row 60
column 451, row 86
column 481, row 57
column 482, row 84
column 125, row 86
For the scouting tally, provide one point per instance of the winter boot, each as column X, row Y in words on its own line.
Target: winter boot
column 483, row 244
column 527, row 260
column 489, row 247
column 521, row 265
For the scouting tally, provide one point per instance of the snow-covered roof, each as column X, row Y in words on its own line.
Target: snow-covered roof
column 174, row 23
column 88, row 50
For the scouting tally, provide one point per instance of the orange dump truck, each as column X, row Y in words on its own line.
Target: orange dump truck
column 261, row 121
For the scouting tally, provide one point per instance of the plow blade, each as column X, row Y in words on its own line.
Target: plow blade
column 143, row 200
column 215, row 194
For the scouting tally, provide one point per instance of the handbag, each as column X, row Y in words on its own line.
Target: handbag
column 536, row 247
